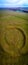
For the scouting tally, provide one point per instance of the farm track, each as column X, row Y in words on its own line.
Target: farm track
column 17, row 15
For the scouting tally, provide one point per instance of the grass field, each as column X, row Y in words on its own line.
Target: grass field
column 11, row 40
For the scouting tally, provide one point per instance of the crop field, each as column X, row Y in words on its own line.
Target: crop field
column 13, row 38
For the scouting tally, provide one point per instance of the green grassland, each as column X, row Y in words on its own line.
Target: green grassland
column 10, row 47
